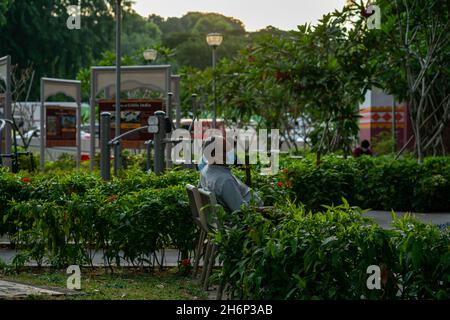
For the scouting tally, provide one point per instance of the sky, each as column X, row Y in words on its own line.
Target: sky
column 255, row 14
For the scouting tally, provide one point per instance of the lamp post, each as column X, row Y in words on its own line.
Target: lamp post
column 117, row 148
column 150, row 55
column 214, row 40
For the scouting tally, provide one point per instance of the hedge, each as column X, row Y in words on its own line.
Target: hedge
column 369, row 182
column 292, row 254
column 60, row 219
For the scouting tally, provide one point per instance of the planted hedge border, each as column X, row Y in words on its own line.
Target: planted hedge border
column 292, row 254
column 378, row 183
column 61, row 219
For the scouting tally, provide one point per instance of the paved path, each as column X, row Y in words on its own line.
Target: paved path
column 14, row 290
column 384, row 219
column 170, row 258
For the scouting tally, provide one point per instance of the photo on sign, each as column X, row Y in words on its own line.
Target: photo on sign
column 127, row 116
column 128, row 119
column 68, row 123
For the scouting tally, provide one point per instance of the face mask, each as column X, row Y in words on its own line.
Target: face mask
column 202, row 164
column 230, row 157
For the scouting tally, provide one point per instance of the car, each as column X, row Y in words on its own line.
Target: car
column 36, row 133
column 33, row 133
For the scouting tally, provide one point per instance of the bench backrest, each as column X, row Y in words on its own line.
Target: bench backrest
column 194, row 202
column 208, row 209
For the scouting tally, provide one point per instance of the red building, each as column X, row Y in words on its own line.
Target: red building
column 377, row 116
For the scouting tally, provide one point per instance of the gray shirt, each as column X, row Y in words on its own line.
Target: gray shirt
column 229, row 190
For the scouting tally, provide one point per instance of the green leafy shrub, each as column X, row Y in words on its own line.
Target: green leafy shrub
column 61, row 219
column 379, row 183
column 299, row 255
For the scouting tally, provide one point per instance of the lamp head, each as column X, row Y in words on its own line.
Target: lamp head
column 214, row 39
column 150, row 54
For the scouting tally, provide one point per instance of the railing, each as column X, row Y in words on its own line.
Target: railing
column 15, row 155
column 158, row 144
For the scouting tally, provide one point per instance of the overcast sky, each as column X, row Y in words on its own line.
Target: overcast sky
column 256, row 14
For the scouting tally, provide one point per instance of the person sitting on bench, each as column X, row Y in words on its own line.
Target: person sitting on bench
column 217, row 177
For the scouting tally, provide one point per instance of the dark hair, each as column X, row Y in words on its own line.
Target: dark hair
column 365, row 144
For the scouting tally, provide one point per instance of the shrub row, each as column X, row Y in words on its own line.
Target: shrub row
column 61, row 219
column 377, row 183
column 290, row 254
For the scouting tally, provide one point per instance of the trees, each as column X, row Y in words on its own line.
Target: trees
column 316, row 76
column 36, row 33
column 186, row 35
column 414, row 65
column 138, row 33
column 320, row 74
column 4, row 4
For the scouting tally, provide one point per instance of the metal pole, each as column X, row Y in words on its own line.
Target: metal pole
column 194, row 107
column 78, row 138
column 169, row 105
column 8, row 111
column 159, row 143
column 42, row 134
column 169, row 115
column 92, row 117
column 105, row 164
column 177, row 102
column 149, row 154
column 117, row 147
column 394, row 126
column 214, row 87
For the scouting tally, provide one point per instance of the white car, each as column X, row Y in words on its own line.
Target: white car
column 36, row 133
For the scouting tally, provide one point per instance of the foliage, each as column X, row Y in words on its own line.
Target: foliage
column 305, row 82
column 3, row 8
column 59, row 219
column 35, row 31
column 383, row 143
column 376, row 183
column 298, row 255
column 414, row 66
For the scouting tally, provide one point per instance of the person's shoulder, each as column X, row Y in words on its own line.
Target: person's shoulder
column 357, row 151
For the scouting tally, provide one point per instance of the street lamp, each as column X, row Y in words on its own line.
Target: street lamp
column 150, row 55
column 117, row 149
column 214, row 40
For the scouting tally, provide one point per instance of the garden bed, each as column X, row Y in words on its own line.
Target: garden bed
column 293, row 254
column 123, row 284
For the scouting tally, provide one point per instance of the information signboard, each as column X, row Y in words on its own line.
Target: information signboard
column 61, row 126
column 134, row 114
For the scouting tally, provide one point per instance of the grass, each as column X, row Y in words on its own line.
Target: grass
column 123, row 284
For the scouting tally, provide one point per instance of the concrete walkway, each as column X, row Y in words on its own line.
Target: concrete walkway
column 384, row 218
column 14, row 290
column 170, row 258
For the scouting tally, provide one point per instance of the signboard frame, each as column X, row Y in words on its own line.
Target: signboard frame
column 5, row 74
column 72, row 89
column 153, row 77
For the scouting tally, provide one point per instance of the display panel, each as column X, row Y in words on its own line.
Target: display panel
column 134, row 114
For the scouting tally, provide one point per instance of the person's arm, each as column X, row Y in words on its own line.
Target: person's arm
column 231, row 195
